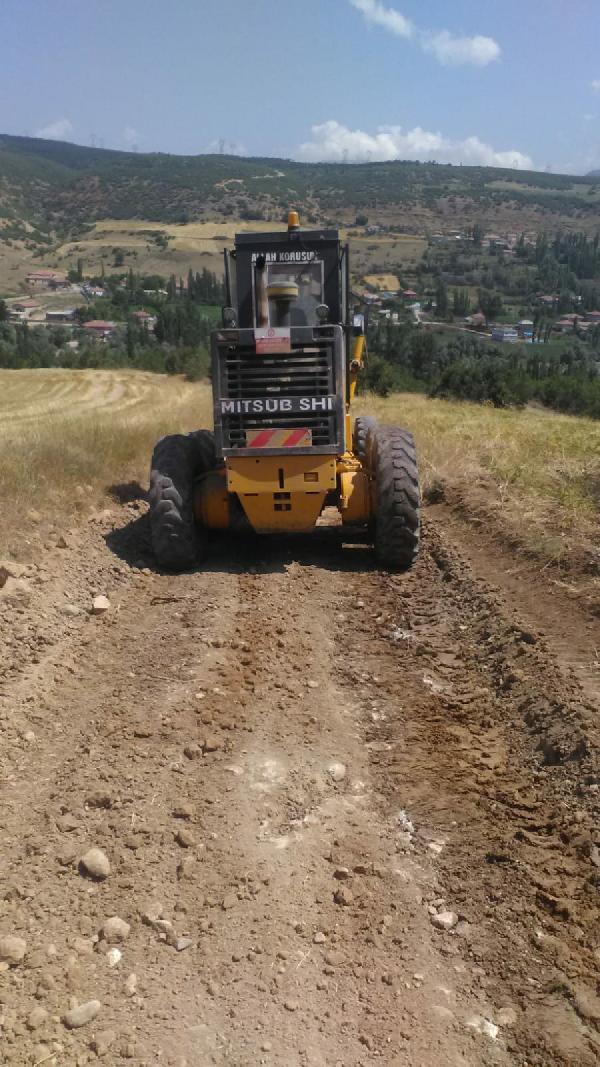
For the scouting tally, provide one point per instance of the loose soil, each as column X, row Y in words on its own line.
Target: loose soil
column 294, row 762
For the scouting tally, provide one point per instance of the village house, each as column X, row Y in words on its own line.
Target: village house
column 565, row 325
column 525, row 329
column 58, row 317
column 100, row 328
column 506, row 334
column 46, row 279
column 143, row 318
column 93, row 290
column 22, row 309
column 478, row 321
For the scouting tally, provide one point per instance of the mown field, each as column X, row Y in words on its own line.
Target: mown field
column 69, row 438
column 195, row 244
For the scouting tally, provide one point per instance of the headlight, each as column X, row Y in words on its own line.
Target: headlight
column 322, row 312
column 229, row 318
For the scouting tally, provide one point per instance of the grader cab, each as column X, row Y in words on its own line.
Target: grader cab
column 285, row 367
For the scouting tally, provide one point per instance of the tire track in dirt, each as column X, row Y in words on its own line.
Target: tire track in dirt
column 191, row 733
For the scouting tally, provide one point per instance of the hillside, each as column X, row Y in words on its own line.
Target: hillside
column 52, row 188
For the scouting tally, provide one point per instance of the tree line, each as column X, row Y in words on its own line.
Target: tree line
column 461, row 365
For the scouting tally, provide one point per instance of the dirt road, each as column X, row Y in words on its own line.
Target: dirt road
column 350, row 818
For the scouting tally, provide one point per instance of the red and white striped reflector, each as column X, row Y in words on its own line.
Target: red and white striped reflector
column 278, row 438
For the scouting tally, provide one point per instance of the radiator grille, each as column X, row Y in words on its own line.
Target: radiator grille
column 307, row 371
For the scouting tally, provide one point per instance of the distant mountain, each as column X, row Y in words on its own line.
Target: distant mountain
column 50, row 188
column 593, row 174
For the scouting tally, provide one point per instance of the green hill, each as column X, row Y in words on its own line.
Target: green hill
column 54, row 187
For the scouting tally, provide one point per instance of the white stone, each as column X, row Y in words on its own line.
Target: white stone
column 337, row 771
column 82, row 1014
column 12, row 949
column 96, row 864
column 115, row 930
column 483, row 1026
column 100, row 604
column 444, row 920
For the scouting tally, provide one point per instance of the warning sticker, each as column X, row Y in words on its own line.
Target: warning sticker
column 272, row 339
column 296, row 438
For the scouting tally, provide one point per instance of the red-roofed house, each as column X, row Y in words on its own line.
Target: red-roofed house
column 46, row 279
column 144, row 318
column 100, row 327
column 478, row 320
column 565, row 325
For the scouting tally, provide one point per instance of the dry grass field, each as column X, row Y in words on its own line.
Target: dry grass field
column 532, row 475
column 67, row 436
column 194, row 244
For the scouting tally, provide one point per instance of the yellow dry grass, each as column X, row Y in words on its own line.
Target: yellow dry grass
column 533, row 474
column 196, row 230
column 387, row 282
column 67, row 436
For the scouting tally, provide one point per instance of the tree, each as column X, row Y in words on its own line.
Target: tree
column 119, row 257
column 490, row 303
column 441, row 297
column 3, row 311
column 379, row 376
column 477, row 234
column 361, row 220
column 130, row 341
column 460, row 302
column 79, row 270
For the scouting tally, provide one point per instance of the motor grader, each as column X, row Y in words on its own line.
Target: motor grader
column 285, row 368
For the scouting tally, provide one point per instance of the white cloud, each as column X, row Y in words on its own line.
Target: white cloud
column 59, row 130
column 595, row 85
column 333, row 142
column 476, row 51
column 130, row 138
column 387, row 17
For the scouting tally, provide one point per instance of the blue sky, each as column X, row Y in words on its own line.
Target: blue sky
column 516, row 82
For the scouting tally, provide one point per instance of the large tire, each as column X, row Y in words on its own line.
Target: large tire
column 362, row 425
column 177, row 460
column 392, row 461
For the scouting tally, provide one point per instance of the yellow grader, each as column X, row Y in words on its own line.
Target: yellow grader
column 285, row 368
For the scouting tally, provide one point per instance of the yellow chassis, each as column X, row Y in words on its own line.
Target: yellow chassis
column 287, row 493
